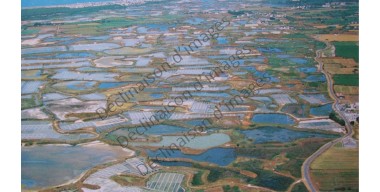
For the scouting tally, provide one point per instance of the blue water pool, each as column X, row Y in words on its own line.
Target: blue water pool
column 219, row 156
column 79, row 85
column 315, row 78
column 174, row 163
column 273, row 118
column 323, row 110
column 222, row 40
column 278, row 134
column 157, row 95
column 109, row 85
column 307, row 69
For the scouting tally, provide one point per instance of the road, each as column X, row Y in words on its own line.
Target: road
column 306, row 165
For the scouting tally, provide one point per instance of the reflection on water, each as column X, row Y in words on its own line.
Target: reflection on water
column 219, row 156
column 50, row 165
column 278, row 134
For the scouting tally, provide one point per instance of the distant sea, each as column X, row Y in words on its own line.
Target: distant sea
column 39, row 3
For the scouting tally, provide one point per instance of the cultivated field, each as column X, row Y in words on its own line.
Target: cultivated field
column 337, row 169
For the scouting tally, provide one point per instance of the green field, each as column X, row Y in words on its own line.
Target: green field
column 346, row 79
column 197, row 179
column 227, row 188
column 295, row 152
column 265, row 178
column 299, row 187
column 347, row 50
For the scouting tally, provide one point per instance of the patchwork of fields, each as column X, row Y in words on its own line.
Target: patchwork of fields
column 187, row 95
